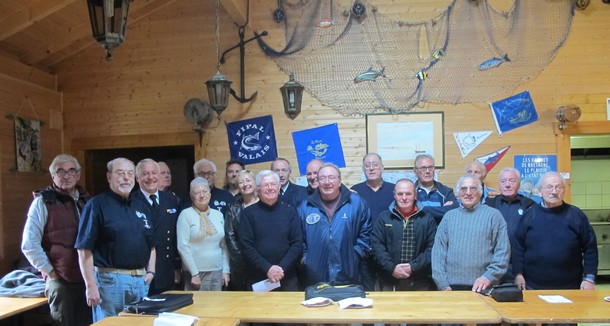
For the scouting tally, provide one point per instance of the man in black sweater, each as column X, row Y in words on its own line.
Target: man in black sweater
column 271, row 237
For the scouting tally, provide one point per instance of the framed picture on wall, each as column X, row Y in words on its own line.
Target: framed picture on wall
column 399, row 138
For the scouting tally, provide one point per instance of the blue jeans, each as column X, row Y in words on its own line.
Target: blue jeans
column 116, row 290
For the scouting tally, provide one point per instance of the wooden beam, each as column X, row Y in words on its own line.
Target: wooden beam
column 25, row 18
column 80, row 38
column 237, row 10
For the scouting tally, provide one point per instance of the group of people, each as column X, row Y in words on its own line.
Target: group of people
column 120, row 246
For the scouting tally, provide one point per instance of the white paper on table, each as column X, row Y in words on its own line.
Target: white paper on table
column 554, row 299
column 355, row 303
column 317, row 302
column 173, row 319
column 265, row 286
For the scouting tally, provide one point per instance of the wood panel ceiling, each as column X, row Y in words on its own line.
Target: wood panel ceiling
column 43, row 33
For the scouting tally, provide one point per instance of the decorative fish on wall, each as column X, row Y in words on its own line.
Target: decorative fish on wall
column 438, row 54
column 369, row 75
column 494, row 62
column 421, row 75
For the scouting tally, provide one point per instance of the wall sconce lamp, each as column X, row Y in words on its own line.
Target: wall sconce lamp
column 108, row 22
column 219, row 87
column 567, row 113
column 292, row 96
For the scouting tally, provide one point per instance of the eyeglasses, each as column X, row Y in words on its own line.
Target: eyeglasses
column 123, row 173
column 70, row 172
column 550, row 188
column 330, row 178
column 465, row 190
column 206, row 174
column 425, row 168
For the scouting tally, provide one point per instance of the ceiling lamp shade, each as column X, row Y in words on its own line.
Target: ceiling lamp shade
column 108, row 22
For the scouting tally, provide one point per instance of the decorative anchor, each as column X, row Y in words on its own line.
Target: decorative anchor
column 242, row 53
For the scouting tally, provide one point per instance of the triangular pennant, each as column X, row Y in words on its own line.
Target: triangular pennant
column 467, row 141
column 490, row 160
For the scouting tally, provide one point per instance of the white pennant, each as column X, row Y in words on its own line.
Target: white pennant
column 467, row 141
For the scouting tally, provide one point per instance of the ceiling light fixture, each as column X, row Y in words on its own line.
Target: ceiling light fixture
column 108, row 22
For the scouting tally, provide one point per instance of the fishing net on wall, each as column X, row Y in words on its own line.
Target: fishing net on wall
column 357, row 61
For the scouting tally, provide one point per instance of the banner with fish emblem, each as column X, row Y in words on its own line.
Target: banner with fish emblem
column 252, row 140
column 322, row 143
column 514, row 112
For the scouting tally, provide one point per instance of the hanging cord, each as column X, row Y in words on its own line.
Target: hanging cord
column 31, row 106
column 217, row 32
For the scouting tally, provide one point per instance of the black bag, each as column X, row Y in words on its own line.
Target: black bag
column 334, row 292
column 159, row 303
column 505, row 293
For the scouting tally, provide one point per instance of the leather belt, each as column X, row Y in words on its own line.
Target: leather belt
column 132, row 272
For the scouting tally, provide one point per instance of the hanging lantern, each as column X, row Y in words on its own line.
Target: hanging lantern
column 108, row 22
column 292, row 95
column 219, row 89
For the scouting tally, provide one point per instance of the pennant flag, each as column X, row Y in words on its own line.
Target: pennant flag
column 490, row 160
column 467, row 141
column 322, row 143
column 514, row 112
column 252, row 140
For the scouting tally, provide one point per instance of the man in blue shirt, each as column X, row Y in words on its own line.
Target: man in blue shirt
column 115, row 245
column 378, row 195
column 436, row 198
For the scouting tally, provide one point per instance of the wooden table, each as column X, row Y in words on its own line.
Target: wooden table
column 586, row 307
column 463, row 307
column 149, row 320
column 10, row 306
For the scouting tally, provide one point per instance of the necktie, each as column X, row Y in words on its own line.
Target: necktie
column 153, row 198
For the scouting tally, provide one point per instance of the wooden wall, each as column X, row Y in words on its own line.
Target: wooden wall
column 167, row 58
column 18, row 82
column 137, row 100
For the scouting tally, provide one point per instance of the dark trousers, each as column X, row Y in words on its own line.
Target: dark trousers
column 368, row 273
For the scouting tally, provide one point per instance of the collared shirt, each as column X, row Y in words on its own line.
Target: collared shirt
column 118, row 231
column 147, row 196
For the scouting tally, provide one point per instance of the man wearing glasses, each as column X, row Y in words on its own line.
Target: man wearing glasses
column 48, row 241
column 436, row 198
column 115, row 242
column 220, row 199
column 471, row 247
column 336, row 231
column 556, row 246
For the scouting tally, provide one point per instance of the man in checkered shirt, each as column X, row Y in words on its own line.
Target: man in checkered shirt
column 402, row 240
